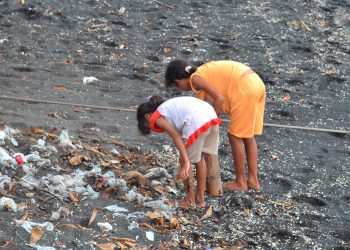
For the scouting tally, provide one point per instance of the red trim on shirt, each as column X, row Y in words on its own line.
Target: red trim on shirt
column 152, row 122
column 193, row 137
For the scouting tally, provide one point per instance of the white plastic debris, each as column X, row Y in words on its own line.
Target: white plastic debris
column 62, row 185
column 40, row 146
column 91, row 192
column 14, row 142
column 64, row 140
column 155, row 183
column 32, row 157
column 96, row 170
column 134, row 196
column 41, row 143
column 121, row 184
column 29, row 169
column 55, row 216
column 8, row 204
column 172, row 190
column 105, row 226
column 116, row 209
column 5, row 159
column 135, row 215
column 121, row 11
column 157, row 172
column 166, row 147
column 157, row 204
column 28, row 181
column 8, row 132
column 150, row 235
column 168, row 215
column 52, row 148
column 44, row 163
column 28, row 225
column 61, row 212
column 114, row 151
column 38, row 247
column 133, row 225
column 3, row 180
column 3, row 136
column 89, row 79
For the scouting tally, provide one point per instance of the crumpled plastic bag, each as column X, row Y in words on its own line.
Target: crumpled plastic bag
column 157, row 172
column 134, row 196
column 3, row 180
column 133, row 225
column 89, row 79
column 91, row 192
column 105, row 226
column 29, row 225
column 6, row 133
column 158, row 204
column 64, row 140
column 5, row 159
column 8, row 204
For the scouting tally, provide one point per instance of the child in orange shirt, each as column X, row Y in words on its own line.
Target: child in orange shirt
column 236, row 90
column 194, row 127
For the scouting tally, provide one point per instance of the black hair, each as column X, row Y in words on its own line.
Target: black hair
column 176, row 71
column 146, row 108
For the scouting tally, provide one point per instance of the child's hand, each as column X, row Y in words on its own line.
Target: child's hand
column 184, row 172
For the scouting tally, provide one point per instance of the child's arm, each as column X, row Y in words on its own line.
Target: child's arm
column 218, row 99
column 177, row 139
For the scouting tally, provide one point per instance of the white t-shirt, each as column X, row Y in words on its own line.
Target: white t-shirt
column 190, row 116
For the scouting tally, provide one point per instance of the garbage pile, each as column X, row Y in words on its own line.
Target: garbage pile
column 71, row 172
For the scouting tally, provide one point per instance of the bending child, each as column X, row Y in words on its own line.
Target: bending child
column 236, row 90
column 194, row 128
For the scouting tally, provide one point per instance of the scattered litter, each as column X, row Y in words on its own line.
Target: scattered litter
column 64, row 140
column 105, row 226
column 150, row 235
column 28, row 225
column 116, row 209
column 134, row 196
column 135, row 215
column 166, row 147
column 14, row 142
column 4, row 179
column 157, row 172
column 61, row 212
column 89, row 79
column 38, row 247
column 158, row 204
column 6, row 160
column 121, row 11
column 133, row 225
column 8, row 204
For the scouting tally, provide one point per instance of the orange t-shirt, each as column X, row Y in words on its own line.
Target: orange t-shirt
column 244, row 94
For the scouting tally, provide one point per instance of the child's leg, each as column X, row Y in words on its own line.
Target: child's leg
column 251, row 150
column 238, row 154
column 201, row 171
column 189, row 200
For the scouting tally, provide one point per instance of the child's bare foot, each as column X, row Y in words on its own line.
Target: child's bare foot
column 184, row 203
column 200, row 204
column 233, row 185
column 253, row 184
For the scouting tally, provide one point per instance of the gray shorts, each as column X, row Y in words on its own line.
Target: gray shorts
column 207, row 142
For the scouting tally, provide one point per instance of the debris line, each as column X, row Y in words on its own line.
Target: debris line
column 11, row 98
